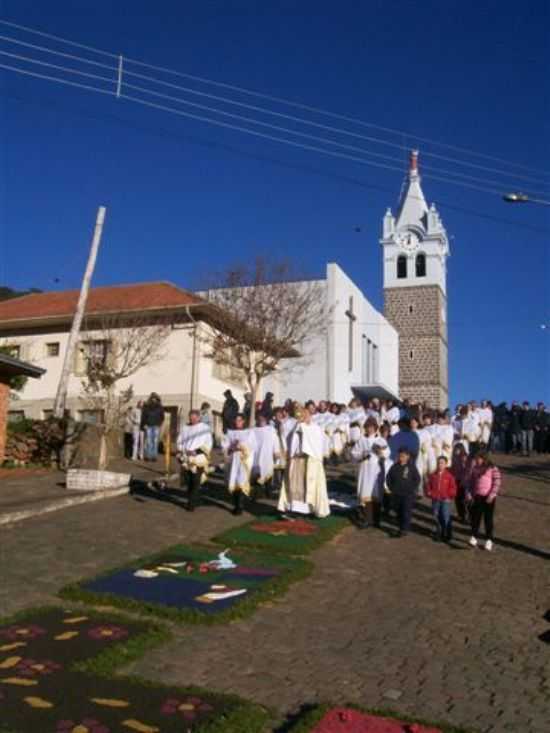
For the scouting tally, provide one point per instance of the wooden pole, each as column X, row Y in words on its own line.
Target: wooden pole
column 167, row 443
column 61, row 396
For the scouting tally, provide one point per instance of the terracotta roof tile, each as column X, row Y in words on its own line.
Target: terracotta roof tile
column 114, row 299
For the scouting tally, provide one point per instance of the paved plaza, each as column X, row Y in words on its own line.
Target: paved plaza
column 441, row 632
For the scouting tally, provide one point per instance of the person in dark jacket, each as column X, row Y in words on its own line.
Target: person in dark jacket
column 230, row 410
column 152, row 417
column 542, row 428
column 403, row 481
column 514, row 427
column 266, row 410
column 527, row 420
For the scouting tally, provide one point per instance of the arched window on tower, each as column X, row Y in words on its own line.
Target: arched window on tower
column 401, row 267
column 421, row 265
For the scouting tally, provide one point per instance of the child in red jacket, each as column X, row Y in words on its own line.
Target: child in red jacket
column 441, row 489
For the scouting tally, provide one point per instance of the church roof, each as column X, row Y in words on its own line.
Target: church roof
column 413, row 209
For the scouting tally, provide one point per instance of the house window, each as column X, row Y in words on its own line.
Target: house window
column 13, row 350
column 16, row 415
column 411, row 354
column 93, row 417
column 227, row 373
column 421, row 265
column 401, row 267
column 411, row 309
column 91, row 352
column 52, row 349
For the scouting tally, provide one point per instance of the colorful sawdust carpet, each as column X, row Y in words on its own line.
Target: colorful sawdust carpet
column 193, row 583
column 349, row 720
column 54, row 668
column 290, row 535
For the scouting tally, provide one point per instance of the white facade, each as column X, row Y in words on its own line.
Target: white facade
column 359, row 349
column 183, row 378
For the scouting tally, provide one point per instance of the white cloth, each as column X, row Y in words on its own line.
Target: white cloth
column 196, row 439
column 239, row 447
column 340, row 434
column 357, row 417
column 426, row 461
column 267, row 447
column 304, row 488
column 486, row 423
column 392, row 415
column 324, row 421
column 444, row 441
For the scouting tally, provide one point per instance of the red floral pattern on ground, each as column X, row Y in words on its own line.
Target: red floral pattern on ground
column 89, row 724
column 347, row 720
column 297, row 527
column 188, row 708
column 108, row 632
column 22, row 632
column 33, row 668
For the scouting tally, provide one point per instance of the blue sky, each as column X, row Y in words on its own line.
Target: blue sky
column 185, row 197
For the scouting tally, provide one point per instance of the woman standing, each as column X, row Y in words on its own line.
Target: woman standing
column 484, row 488
column 461, row 468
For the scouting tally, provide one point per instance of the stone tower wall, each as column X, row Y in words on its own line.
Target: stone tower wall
column 417, row 314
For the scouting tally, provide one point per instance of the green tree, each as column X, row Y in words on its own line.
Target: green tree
column 16, row 383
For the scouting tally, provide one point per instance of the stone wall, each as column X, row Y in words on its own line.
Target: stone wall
column 4, row 401
column 419, row 315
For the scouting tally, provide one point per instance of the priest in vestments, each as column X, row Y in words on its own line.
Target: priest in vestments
column 304, row 488
column 193, row 450
column 266, row 453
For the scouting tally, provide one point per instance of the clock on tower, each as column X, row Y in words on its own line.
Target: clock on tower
column 415, row 248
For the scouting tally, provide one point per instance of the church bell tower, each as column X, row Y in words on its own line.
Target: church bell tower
column 416, row 247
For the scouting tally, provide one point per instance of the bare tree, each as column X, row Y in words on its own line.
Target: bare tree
column 264, row 320
column 114, row 350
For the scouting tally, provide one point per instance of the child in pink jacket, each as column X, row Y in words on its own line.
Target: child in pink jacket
column 485, row 482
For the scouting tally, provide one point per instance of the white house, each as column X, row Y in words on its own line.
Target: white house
column 36, row 328
column 358, row 354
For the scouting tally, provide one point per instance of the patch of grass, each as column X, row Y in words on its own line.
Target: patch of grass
column 291, row 570
column 246, row 536
column 307, row 722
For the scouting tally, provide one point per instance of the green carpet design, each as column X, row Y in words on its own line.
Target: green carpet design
column 351, row 718
column 183, row 586
column 56, row 676
column 290, row 536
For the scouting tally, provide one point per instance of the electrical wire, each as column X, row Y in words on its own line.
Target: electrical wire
column 240, row 128
column 309, row 108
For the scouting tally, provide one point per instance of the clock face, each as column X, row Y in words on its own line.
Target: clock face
column 407, row 241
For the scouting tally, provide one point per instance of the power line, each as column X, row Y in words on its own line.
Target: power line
column 239, row 128
column 159, row 132
column 297, row 105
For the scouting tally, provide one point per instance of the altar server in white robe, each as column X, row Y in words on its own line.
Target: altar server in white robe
column 486, row 422
column 266, row 453
column 373, row 468
column 194, row 446
column 470, row 430
column 339, row 434
column 427, row 462
column 445, row 437
column 282, row 424
column 238, row 446
column 304, row 488
column 357, row 417
column 392, row 415
column 323, row 418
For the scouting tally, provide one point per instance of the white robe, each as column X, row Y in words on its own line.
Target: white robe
column 324, row 421
column 267, row 448
column 369, row 469
column 195, row 438
column 357, row 417
column 239, row 447
column 486, row 423
column 304, row 488
column 340, row 434
column 445, row 439
column 426, row 461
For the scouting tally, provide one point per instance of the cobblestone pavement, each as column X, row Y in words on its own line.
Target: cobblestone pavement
column 441, row 632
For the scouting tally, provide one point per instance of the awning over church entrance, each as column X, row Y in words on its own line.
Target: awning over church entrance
column 371, row 391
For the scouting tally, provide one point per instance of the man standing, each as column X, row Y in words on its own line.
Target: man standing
column 403, row 481
column 193, row 450
column 229, row 411
column 304, row 488
column 152, row 417
column 527, row 423
column 404, row 438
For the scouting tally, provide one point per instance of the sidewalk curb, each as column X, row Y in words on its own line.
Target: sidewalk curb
column 82, row 498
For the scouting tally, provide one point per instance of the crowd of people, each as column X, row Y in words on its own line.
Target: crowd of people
column 403, row 452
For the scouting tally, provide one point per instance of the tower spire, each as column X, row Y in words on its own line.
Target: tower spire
column 413, row 166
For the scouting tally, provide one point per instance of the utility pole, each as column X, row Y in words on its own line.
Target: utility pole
column 61, row 396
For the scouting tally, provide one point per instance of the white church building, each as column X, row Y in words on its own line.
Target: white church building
column 358, row 354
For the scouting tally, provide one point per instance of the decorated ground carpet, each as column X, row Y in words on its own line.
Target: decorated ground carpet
column 55, row 669
column 194, row 583
column 352, row 719
column 291, row 535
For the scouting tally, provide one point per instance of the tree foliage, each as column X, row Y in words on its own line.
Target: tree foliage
column 265, row 320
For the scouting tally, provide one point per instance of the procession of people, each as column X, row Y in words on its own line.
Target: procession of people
column 402, row 452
